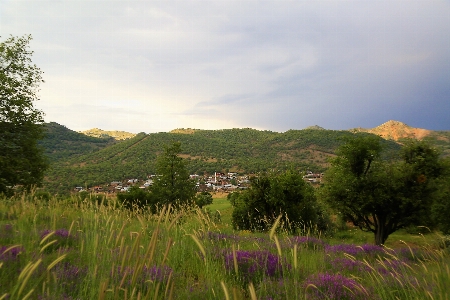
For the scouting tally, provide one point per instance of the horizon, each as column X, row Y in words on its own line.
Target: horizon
column 187, row 128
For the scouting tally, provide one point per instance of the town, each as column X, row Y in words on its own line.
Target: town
column 217, row 182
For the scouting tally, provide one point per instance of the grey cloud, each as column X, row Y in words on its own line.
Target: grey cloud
column 273, row 64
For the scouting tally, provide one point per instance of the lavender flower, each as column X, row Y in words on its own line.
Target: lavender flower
column 157, row 273
column 254, row 264
column 10, row 255
column 343, row 263
column 62, row 233
column 62, row 237
column 367, row 249
column 307, row 242
column 68, row 273
column 334, row 286
column 154, row 273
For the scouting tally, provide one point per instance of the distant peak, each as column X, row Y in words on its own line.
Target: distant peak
column 395, row 130
column 184, row 130
column 393, row 123
column 118, row 135
column 315, row 127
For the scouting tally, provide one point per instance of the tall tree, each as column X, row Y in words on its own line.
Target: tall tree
column 173, row 184
column 382, row 196
column 21, row 124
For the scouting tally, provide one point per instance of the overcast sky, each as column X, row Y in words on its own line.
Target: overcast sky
column 155, row 66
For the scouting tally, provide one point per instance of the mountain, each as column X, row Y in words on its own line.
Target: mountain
column 117, row 135
column 80, row 160
column 400, row 132
column 395, row 130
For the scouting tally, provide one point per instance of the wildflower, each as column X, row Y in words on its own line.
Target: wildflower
column 334, row 286
column 254, row 264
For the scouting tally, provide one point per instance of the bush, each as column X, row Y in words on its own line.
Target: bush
column 135, row 198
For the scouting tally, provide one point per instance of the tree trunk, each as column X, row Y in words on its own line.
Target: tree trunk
column 381, row 234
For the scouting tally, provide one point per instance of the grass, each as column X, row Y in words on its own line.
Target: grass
column 72, row 250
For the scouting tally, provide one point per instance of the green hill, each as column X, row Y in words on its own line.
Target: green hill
column 236, row 150
column 61, row 143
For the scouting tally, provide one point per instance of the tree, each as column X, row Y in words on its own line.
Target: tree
column 135, row 197
column 441, row 206
column 203, row 198
column 382, row 196
column 271, row 195
column 173, row 184
column 21, row 125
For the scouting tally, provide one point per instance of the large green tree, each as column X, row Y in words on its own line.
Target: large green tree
column 21, row 124
column 382, row 196
column 173, row 184
column 271, row 195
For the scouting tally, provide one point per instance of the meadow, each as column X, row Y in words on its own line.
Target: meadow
column 71, row 249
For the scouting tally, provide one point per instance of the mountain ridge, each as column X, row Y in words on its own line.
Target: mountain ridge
column 80, row 160
column 391, row 130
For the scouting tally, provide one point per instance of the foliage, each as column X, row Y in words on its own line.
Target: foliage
column 172, row 184
column 61, row 143
column 207, row 151
column 441, row 205
column 203, row 198
column 382, row 196
column 135, row 197
column 271, row 195
column 21, row 159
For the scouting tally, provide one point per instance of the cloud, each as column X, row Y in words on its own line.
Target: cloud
column 153, row 65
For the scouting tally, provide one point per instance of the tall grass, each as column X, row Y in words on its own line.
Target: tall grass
column 70, row 249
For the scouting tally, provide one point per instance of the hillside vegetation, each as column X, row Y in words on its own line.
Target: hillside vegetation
column 62, row 143
column 236, row 150
column 81, row 160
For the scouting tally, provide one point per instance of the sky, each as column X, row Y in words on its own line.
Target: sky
column 157, row 65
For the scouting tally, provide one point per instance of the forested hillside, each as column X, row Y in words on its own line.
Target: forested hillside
column 237, row 150
column 61, row 143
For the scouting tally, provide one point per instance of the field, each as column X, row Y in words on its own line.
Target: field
column 84, row 250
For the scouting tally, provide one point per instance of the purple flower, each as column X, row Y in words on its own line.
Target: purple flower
column 154, row 273
column 344, row 263
column 68, row 273
column 61, row 236
column 10, row 255
column 157, row 273
column 254, row 264
column 334, row 286
column 62, row 233
column 354, row 250
column 307, row 242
